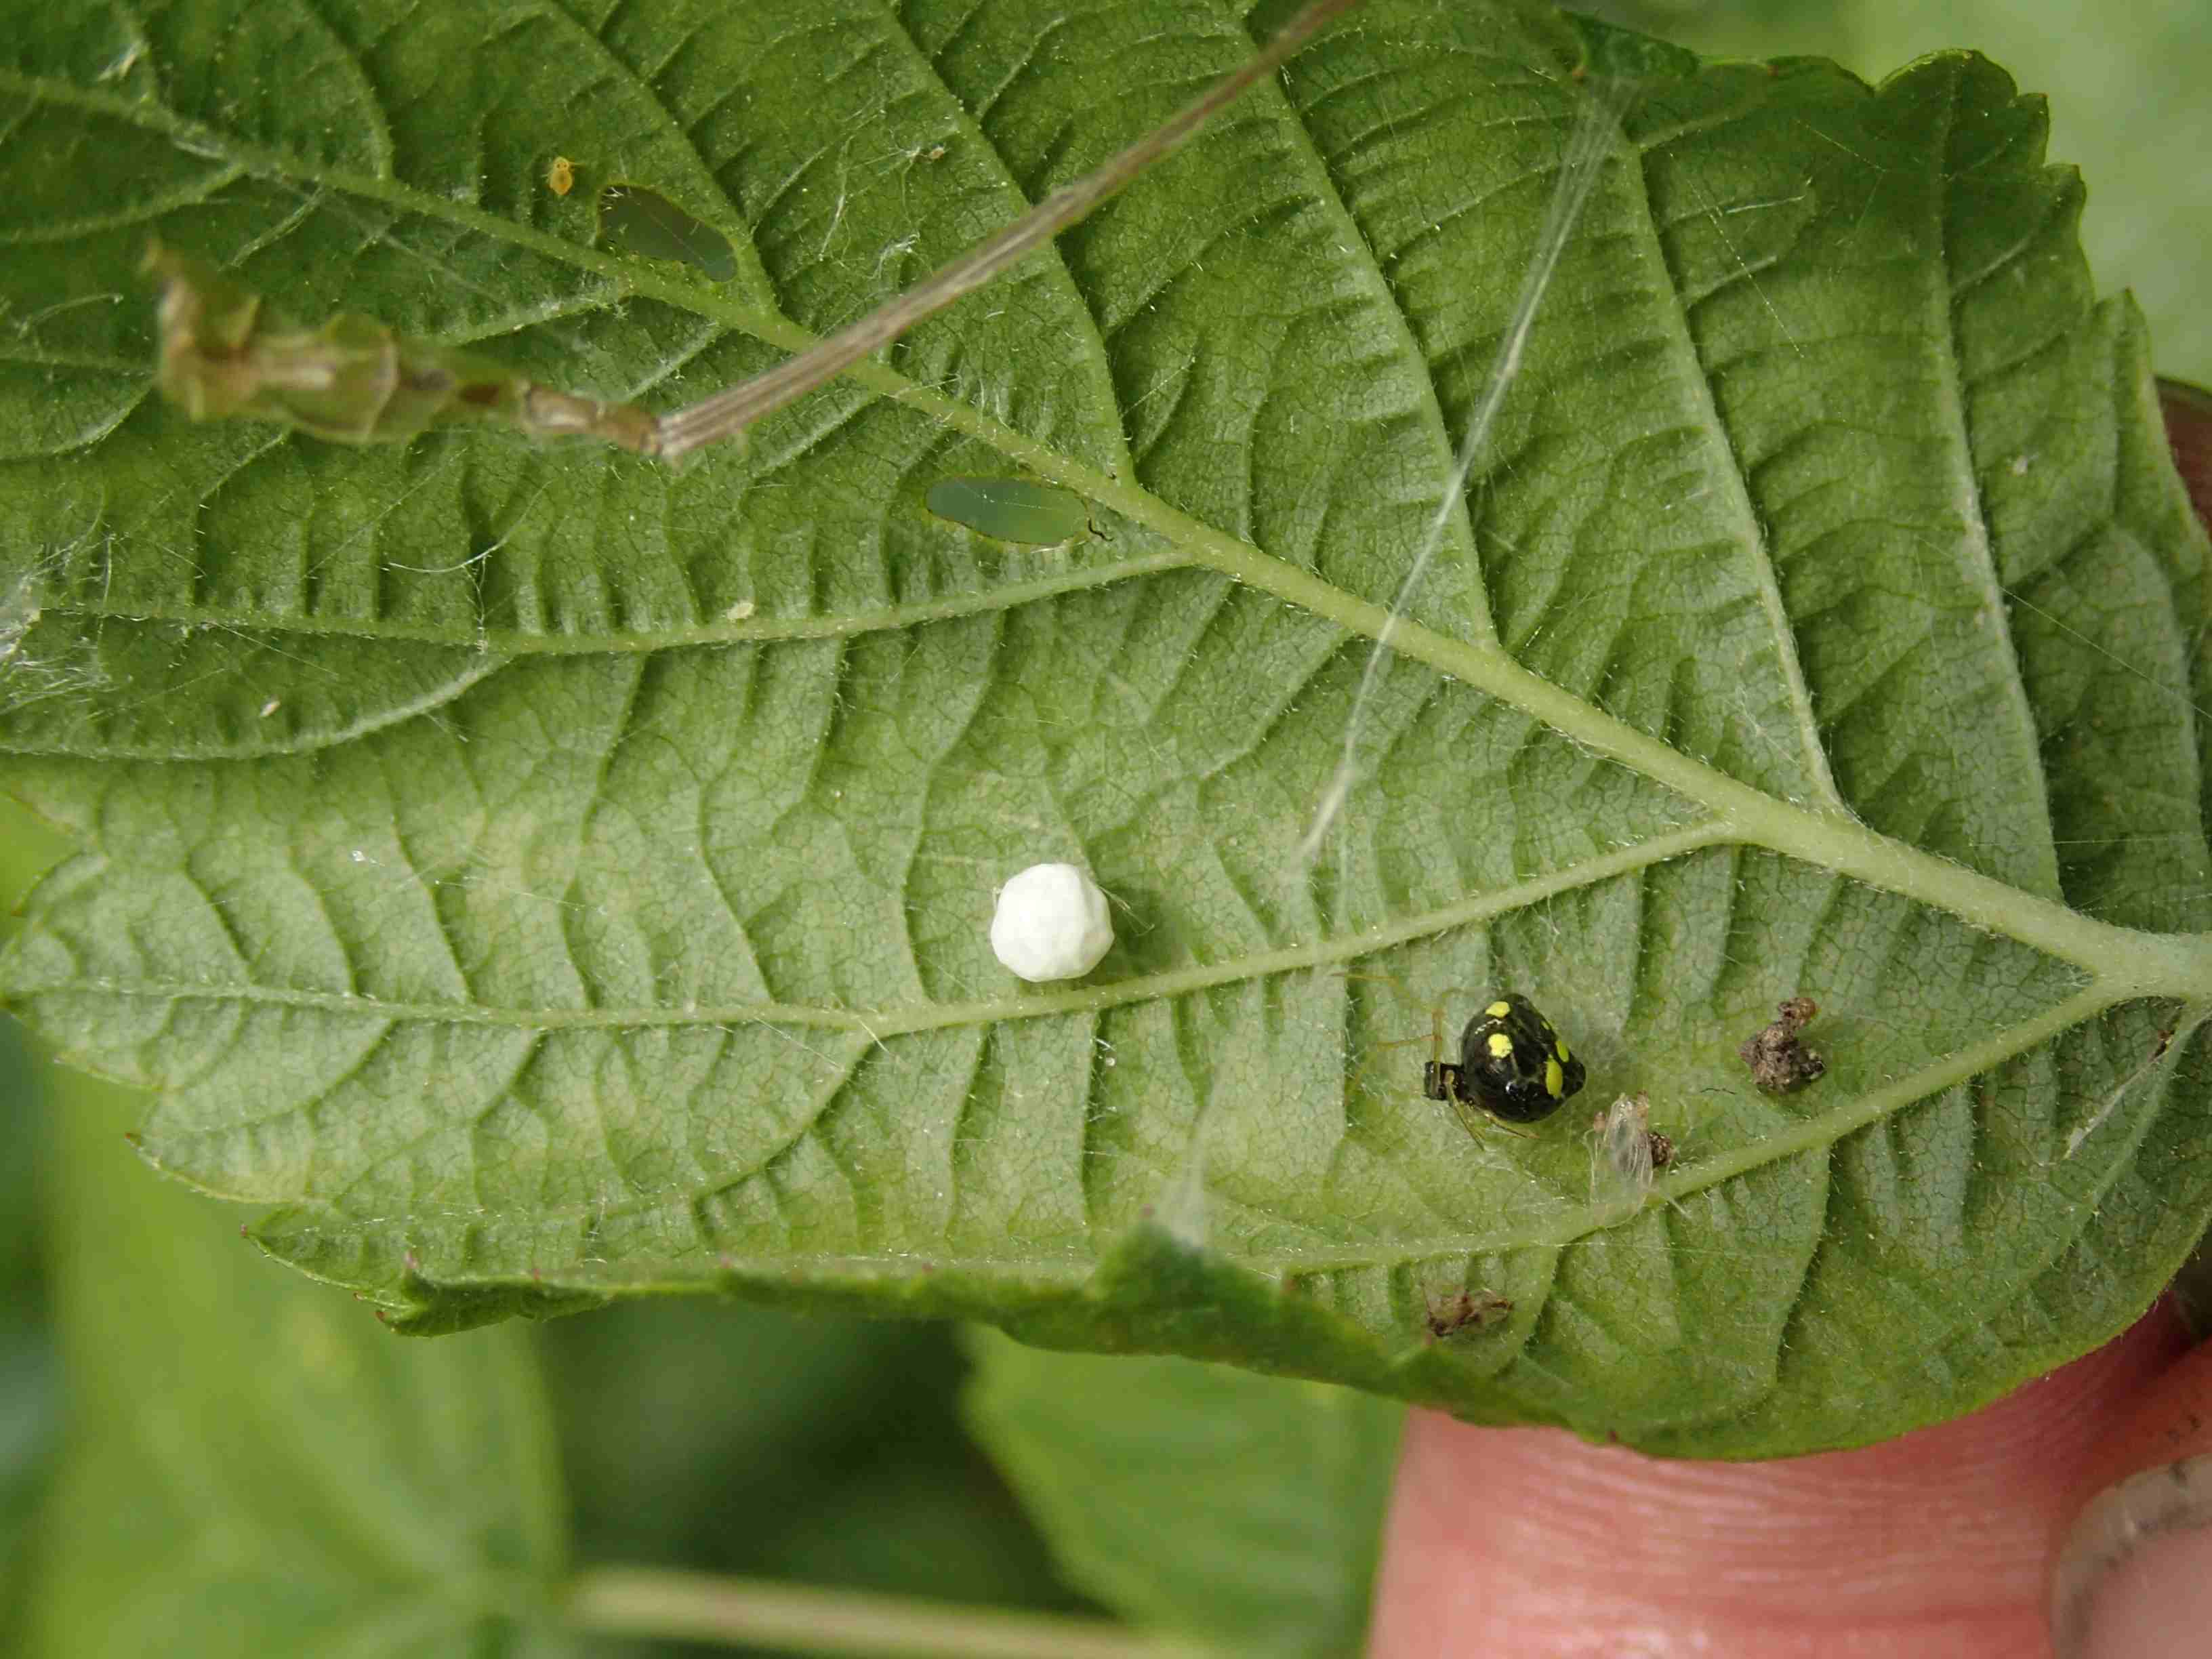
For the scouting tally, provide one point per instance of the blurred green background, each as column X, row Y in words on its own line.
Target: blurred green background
column 825, row 1450
column 703, row 1435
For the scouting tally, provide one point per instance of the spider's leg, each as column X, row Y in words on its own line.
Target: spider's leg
column 1474, row 1120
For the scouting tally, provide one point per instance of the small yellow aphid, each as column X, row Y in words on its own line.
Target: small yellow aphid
column 561, row 177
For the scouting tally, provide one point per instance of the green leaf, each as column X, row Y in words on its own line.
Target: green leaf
column 744, row 1441
column 255, row 1466
column 2127, row 106
column 549, row 877
column 30, row 1391
column 1241, row 1508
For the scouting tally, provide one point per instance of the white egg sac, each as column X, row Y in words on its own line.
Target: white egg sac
column 1051, row 923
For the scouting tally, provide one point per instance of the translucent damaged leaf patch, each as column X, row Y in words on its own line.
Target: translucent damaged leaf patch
column 639, row 221
column 1817, row 621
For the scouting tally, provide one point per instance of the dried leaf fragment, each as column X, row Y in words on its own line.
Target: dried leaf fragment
column 1780, row 1062
column 353, row 381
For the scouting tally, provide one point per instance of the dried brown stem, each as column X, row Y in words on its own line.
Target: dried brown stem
column 734, row 410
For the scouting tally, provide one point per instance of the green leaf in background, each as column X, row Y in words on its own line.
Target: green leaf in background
column 750, row 1442
column 549, row 877
column 1196, row 1498
column 254, row 1466
column 30, row 1379
column 30, row 1392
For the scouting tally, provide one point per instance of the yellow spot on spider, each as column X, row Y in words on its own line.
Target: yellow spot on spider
column 561, row 177
column 1500, row 1045
column 1499, row 1010
column 1555, row 1079
column 1561, row 1046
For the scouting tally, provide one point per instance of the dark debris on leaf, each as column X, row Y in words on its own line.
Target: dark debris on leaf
column 1467, row 1311
column 1779, row 1060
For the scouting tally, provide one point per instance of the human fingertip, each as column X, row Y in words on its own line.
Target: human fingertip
column 2132, row 1573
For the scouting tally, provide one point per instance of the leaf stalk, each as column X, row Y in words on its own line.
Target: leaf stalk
column 689, row 1606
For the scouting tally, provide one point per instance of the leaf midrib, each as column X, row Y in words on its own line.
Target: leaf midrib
column 2123, row 963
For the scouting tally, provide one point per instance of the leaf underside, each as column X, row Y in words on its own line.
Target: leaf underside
column 546, row 876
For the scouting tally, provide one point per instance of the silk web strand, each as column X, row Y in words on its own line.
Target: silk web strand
column 1597, row 126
